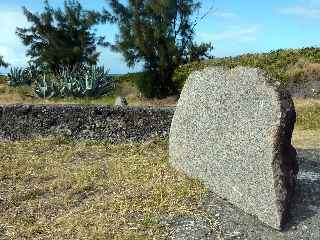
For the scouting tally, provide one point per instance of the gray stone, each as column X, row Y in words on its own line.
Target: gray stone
column 232, row 129
column 120, row 101
column 96, row 122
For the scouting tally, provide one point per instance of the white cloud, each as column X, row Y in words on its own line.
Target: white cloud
column 301, row 11
column 11, row 47
column 235, row 33
column 302, row 8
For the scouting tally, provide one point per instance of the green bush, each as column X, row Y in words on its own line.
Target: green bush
column 45, row 87
column 279, row 64
column 129, row 77
column 147, row 84
column 19, row 76
column 81, row 81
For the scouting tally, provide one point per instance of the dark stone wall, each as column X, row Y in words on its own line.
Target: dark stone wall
column 108, row 123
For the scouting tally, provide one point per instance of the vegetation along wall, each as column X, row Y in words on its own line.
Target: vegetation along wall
column 109, row 123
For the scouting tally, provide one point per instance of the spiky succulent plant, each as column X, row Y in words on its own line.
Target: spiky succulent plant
column 19, row 76
column 96, row 82
column 44, row 87
column 79, row 81
column 84, row 81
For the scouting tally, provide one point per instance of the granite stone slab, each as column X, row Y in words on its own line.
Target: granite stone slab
column 230, row 222
column 232, row 129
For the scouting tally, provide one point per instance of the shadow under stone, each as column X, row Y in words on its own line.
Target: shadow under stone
column 235, row 224
column 307, row 198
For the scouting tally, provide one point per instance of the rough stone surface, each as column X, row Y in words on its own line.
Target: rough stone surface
column 231, row 222
column 232, row 129
column 121, row 101
column 97, row 122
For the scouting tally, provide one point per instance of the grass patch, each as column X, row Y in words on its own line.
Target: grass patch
column 306, row 139
column 104, row 100
column 3, row 79
column 308, row 114
column 55, row 189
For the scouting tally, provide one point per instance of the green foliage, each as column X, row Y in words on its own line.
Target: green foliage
column 198, row 52
column 148, row 84
column 45, row 87
column 159, row 34
column 61, row 36
column 80, row 81
column 3, row 63
column 19, row 76
column 129, row 77
column 277, row 63
column 84, row 82
column 303, row 71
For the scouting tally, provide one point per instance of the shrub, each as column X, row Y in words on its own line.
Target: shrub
column 303, row 71
column 81, row 81
column 147, row 84
column 129, row 77
column 19, row 76
column 283, row 65
column 45, row 87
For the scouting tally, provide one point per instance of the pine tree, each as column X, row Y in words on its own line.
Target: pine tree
column 61, row 36
column 160, row 34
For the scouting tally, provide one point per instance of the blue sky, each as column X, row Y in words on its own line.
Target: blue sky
column 233, row 26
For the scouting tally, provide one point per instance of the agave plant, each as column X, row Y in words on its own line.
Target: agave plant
column 96, row 82
column 79, row 81
column 83, row 81
column 45, row 87
column 19, row 76
column 68, row 82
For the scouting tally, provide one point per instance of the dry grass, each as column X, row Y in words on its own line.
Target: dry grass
column 24, row 94
column 54, row 189
column 165, row 102
column 126, row 89
column 306, row 139
column 10, row 95
column 301, row 103
column 308, row 114
column 303, row 71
